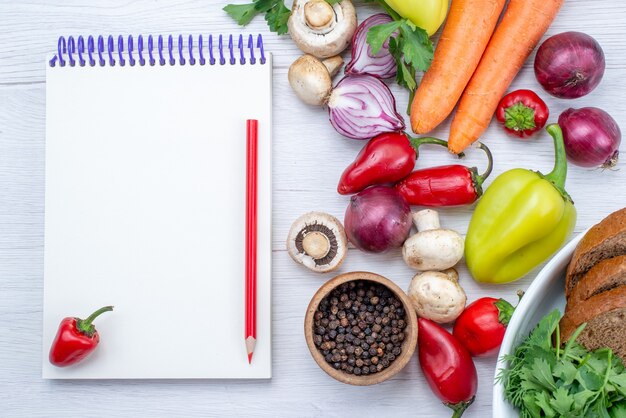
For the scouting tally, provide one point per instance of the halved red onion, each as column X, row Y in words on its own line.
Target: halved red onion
column 362, row 106
column 382, row 64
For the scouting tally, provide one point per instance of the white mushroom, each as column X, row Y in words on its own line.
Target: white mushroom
column 321, row 29
column 436, row 295
column 318, row 241
column 311, row 79
column 432, row 248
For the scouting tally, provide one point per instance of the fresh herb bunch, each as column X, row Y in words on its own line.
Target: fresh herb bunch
column 410, row 46
column 545, row 380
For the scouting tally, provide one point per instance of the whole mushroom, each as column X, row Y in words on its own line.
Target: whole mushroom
column 318, row 241
column 437, row 295
column 432, row 248
column 311, row 79
column 321, row 29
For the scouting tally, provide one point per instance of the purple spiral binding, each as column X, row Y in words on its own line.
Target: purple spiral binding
column 170, row 48
column 119, row 50
column 81, row 51
column 160, row 46
column 71, row 48
column 131, row 60
column 90, row 50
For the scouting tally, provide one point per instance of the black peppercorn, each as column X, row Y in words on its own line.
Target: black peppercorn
column 358, row 328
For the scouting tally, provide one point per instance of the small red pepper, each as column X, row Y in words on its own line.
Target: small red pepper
column 386, row 158
column 447, row 365
column 75, row 339
column 449, row 185
column 522, row 112
column 481, row 326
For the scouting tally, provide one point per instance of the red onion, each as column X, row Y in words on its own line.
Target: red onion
column 569, row 65
column 591, row 137
column 381, row 65
column 362, row 106
column 377, row 219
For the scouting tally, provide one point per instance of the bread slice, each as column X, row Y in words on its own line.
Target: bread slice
column 606, row 275
column 605, row 315
column 606, row 239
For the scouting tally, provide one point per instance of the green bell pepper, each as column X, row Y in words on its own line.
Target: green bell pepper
column 522, row 219
column 426, row 14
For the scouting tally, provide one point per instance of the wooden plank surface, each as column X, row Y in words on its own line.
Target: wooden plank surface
column 308, row 159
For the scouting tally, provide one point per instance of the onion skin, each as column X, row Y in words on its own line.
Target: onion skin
column 381, row 65
column 362, row 106
column 377, row 219
column 591, row 136
column 569, row 65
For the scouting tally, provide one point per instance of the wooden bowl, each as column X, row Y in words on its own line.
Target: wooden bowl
column 408, row 345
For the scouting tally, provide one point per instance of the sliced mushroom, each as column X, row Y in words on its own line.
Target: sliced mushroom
column 432, row 248
column 437, row 295
column 321, row 29
column 318, row 241
column 311, row 79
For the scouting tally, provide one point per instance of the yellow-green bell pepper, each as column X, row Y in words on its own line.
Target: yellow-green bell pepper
column 427, row 14
column 522, row 219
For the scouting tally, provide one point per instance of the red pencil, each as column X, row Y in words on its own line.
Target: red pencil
column 251, row 234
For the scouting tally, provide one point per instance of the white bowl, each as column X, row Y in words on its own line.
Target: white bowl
column 545, row 293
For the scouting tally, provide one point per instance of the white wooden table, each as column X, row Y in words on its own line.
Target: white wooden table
column 308, row 159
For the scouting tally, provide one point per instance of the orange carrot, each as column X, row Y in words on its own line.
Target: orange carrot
column 522, row 26
column 468, row 28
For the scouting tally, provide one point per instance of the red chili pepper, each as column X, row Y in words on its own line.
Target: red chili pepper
column 481, row 326
column 447, row 365
column 386, row 158
column 449, row 185
column 75, row 339
column 522, row 112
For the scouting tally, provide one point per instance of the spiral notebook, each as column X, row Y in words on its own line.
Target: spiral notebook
column 145, row 203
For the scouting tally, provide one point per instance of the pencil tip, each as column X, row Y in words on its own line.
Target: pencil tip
column 250, row 358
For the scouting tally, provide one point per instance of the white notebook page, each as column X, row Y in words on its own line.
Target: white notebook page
column 145, row 210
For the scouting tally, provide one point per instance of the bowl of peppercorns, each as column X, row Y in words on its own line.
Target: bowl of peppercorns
column 361, row 328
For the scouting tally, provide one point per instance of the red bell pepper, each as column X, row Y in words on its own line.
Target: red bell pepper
column 76, row 338
column 481, row 326
column 449, row 185
column 447, row 365
column 386, row 158
column 522, row 112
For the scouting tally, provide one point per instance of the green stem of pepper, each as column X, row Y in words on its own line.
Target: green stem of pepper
column 479, row 179
column 558, row 175
column 85, row 325
column 417, row 142
column 459, row 408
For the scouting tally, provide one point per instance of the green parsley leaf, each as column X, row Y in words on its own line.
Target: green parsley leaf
column 542, row 374
column 241, row 13
column 562, row 402
column 416, row 46
column 543, row 402
column 377, row 35
column 409, row 45
column 565, row 371
column 277, row 17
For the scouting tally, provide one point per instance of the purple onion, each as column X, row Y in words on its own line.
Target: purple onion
column 591, row 137
column 382, row 64
column 377, row 219
column 362, row 106
column 569, row 65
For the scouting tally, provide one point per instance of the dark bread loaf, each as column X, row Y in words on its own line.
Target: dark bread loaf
column 606, row 275
column 605, row 315
column 606, row 239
